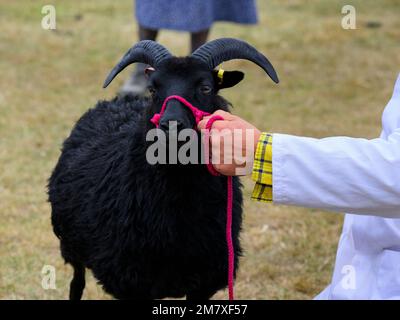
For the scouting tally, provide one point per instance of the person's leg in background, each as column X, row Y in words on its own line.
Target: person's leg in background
column 198, row 39
column 147, row 34
column 137, row 82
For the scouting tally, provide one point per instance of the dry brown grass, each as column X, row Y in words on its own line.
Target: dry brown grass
column 333, row 82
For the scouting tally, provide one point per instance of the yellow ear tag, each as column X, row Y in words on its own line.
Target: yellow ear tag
column 220, row 75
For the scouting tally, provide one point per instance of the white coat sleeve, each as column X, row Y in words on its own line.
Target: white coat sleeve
column 339, row 174
column 342, row 174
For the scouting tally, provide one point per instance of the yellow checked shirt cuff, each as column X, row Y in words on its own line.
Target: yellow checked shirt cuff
column 262, row 169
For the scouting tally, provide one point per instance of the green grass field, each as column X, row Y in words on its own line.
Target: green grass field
column 333, row 82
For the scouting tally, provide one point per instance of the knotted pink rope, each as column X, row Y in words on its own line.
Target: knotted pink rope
column 198, row 115
column 228, row 231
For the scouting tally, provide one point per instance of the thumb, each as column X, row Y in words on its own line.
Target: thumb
column 203, row 123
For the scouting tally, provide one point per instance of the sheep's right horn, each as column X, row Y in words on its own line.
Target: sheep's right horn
column 217, row 51
column 146, row 51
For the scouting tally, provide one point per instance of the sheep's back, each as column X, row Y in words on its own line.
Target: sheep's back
column 90, row 163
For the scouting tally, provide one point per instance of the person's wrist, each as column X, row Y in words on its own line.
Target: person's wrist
column 257, row 135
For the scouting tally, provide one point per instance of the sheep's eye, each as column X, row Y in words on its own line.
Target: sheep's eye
column 206, row 89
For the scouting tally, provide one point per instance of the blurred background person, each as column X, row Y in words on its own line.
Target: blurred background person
column 194, row 16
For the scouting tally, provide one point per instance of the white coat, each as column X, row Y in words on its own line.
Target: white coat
column 358, row 176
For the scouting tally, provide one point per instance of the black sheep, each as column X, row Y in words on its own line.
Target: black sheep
column 148, row 231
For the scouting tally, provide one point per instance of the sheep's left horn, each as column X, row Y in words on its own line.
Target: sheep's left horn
column 217, row 51
column 146, row 51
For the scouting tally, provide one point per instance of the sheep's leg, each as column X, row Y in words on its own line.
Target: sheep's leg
column 200, row 295
column 77, row 283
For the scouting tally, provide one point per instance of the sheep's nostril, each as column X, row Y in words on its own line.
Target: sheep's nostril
column 172, row 125
column 180, row 125
column 164, row 125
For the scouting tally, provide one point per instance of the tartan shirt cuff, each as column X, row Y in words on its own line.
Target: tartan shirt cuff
column 262, row 169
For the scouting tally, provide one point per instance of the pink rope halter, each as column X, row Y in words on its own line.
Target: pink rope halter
column 198, row 115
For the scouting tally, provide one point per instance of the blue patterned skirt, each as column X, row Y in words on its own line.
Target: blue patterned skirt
column 193, row 15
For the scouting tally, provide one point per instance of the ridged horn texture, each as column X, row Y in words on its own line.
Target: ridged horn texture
column 146, row 51
column 217, row 51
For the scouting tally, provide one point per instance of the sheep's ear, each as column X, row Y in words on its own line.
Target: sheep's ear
column 227, row 79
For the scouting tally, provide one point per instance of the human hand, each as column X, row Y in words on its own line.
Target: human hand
column 233, row 143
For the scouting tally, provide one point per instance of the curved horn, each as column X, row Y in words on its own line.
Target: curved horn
column 146, row 51
column 224, row 49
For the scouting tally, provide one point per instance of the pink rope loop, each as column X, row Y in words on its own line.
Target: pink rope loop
column 198, row 115
column 228, row 231
column 231, row 251
column 156, row 119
